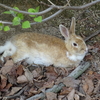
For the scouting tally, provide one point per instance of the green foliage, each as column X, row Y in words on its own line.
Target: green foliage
column 37, row 9
column 26, row 24
column 7, row 12
column 1, row 26
column 6, row 28
column 16, row 21
column 38, row 19
column 21, row 16
column 12, row 12
column 18, row 17
column 31, row 10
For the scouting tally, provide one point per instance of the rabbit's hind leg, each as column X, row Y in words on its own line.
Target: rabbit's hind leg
column 2, row 49
column 8, row 50
column 17, row 56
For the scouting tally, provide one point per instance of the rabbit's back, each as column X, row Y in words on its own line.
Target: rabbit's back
column 32, row 39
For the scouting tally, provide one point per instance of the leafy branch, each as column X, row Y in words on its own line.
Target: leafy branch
column 52, row 6
column 18, row 17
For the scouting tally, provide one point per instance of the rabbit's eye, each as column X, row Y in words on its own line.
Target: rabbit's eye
column 75, row 44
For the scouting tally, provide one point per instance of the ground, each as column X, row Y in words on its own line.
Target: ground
column 38, row 79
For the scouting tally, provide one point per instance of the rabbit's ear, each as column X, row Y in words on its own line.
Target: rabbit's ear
column 72, row 27
column 64, row 31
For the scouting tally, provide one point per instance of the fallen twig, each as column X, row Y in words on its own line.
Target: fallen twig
column 56, row 88
column 16, row 95
column 92, row 35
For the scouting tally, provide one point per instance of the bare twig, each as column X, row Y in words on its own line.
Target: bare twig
column 43, row 3
column 53, row 6
column 92, row 35
column 68, row 2
column 16, row 95
column 50, row 17
column 51, row 3
column 56, row 88
column 25, row 12
column 62, row 8
column 78, row 7
column 3, row 22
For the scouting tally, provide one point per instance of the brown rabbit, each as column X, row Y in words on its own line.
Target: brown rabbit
column 45, row 49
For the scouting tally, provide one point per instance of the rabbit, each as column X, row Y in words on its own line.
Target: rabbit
column 45, row 49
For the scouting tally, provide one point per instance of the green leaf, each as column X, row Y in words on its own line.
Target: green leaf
column 26, row 24
column 16, row 8
column 38, row 19
column 16, row 21
column 14, row 12
column 7, row 12
column 1, row 26
column 37, row 9
column 6, row 28
column 20, row 15
column 31, row 10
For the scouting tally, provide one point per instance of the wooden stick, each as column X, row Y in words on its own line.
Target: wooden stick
column 92, row 35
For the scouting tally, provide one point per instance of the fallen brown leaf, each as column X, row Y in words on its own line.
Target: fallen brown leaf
column 51, row 96
column 71, row 95
column 35, row 73
column 77, row 97
column 62, row 97
column 28, row 75
column 14, row 90
column 65, row 90
column 61, row 71
column 97, row 88
column 39, row 84
column 97, row 45
column 22, row 79
column 90, row 72
column 20, row 70
column 88, row 97
column 8, row 86
column 90, row 85
column 3, row 82
column 7, row 67
column 33, row 91
column 12, row 79
column 85, row 86
column 88, row 57
column 70, row 82
column 51, row 74
column 47, row 85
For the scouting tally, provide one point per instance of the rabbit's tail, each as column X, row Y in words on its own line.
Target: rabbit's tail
column 8, row 49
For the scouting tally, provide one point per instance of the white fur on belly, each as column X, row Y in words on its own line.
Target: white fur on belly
column 39, row 58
